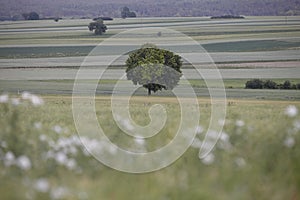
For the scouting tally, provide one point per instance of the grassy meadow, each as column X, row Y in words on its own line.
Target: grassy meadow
column 41, row 153
column 258, row 158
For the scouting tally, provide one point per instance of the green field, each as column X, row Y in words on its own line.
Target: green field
column 68, row 51
column 41, row 152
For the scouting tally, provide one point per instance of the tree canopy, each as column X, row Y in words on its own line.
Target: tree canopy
column 153, row 68
column 31, row 16
column 98, row 26
column 125, row 12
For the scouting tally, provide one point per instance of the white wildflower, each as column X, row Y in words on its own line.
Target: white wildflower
column 61, row 158
column 199, row 129
column 208, row 145
column 127, row 124
column 42, row 185
column 72, row 150
column 224, row 141
column 9, row 159
column 4, row 98
column 289, row 142
column 196, row 143
column 43, row 138
column 209, row 159
column 224, row 137
column 139, row 141
column 23, row 163
column 75, row 140
column 239, row 123
column 36, row 101
column 62, row 142
column 93, row 145
column 291, row 111
column 57, row 129
column 71, row 164
column 38, row 125
column 3, row 144
column 211, row 134
column 26, row 95
column 15, row 101
column 240, row 162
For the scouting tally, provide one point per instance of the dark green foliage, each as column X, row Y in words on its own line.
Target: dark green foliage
column 228, row 17
column 153, row 68
column 254, row 84
column 98, row 26
column 125, row 12
column 31, row 16
column 268, row 84
column 286, row 85
column 103, row 18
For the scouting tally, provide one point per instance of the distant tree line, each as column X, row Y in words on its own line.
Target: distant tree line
column 159, row 8
column 269, row 84
column 228, row 17
column 154, row 8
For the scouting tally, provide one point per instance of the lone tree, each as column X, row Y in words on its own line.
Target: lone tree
column 155, row 69
column 98, row 26
column 125, row 12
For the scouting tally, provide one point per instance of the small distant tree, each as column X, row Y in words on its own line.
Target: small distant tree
column 125, row 12
column 155, row 69
column 98, row 27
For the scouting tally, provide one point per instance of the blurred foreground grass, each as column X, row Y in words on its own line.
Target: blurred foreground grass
column 41, row 156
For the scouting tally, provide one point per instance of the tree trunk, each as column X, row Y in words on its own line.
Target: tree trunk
column 149, row 91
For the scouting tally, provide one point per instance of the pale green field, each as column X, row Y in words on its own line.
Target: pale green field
column 234, row 89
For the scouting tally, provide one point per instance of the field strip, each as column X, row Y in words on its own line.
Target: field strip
column 158, row 23
column 212, row 41
column 155, row 99
column 70, row 74
column 218, row 57
column 278, row 64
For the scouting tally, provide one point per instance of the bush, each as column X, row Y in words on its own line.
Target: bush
column 287, row 85
column 268, row 84
column 254, row 84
